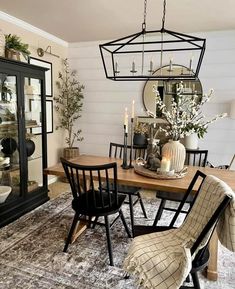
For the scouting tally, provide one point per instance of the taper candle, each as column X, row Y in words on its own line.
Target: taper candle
column 126, row 123
column 133, row 109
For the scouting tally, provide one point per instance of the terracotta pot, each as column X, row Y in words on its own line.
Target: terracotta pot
column 175, row 151
column 70, row 153
column 12, row 54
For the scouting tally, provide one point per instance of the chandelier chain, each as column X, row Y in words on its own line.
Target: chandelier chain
column 145, row 14
column 164, row 14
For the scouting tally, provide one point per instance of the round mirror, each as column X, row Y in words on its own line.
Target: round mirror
column 167, row 88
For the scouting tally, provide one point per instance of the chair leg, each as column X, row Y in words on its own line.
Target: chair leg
column 89, row 222
column 188, row 279
column 95, row 222
column 131, row 213
column 124, row 223
column 142, row 205
column 196, row 283
column 74, row 223
column 109, row 240
column 159, row 212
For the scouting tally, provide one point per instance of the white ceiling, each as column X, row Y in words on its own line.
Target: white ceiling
column 88, row 20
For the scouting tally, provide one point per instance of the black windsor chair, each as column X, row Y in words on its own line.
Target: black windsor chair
column 195, row 215
column 193, row 158
column 89, row 199
column 116, row 150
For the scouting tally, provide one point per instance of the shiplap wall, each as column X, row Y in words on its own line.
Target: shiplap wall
column 105, row 100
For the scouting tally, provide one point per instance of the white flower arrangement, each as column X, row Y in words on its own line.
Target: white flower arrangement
column 185, row 116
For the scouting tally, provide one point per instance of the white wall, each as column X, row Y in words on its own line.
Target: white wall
column 105, row 100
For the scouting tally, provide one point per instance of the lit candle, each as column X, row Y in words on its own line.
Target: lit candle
column 133, row 109
column 165, row 165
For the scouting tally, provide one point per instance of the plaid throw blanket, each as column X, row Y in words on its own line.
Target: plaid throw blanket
column 226, row 226
column 163, row 260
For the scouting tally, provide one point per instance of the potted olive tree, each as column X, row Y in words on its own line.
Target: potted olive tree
column 69, row 107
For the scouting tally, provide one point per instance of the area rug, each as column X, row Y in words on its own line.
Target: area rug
column 31, row 252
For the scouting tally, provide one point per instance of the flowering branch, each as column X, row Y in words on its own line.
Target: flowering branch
column 185, row 116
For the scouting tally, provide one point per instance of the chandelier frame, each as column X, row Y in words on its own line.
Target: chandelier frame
column 129, row 46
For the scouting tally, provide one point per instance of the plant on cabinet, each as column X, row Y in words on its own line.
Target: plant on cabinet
column 14, row 46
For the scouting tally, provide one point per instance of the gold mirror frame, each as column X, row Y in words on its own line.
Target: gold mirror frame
column 167, row 88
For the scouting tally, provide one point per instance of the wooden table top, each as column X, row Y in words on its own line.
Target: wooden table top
column 129, row 177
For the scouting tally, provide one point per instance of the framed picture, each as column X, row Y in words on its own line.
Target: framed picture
column 35, row 108
column 48, row 74
column 49, row 114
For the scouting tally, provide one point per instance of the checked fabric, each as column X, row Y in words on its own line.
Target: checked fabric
column 163, row 259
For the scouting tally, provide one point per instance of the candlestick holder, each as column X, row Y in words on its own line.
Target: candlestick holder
column 131, row 151
column 124, row 162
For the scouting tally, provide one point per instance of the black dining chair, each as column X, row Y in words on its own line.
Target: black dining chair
column 212, row 198
column 193, row 158
column 90, row 199
column 116, row 151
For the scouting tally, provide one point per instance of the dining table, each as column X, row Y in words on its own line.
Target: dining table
column 130, row 177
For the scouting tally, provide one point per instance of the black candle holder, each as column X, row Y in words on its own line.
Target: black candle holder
column 124, row 162
column 131, row 151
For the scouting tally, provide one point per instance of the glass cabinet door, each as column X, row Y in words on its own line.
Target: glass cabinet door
column 33, row 133
column 9, row 139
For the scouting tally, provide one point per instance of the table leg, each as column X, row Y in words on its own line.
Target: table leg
column 212, row 273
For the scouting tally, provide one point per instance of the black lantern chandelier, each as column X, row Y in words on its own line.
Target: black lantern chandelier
column 141, row 56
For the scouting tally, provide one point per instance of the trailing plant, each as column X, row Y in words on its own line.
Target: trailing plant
column 13, row 42
column 69, row 103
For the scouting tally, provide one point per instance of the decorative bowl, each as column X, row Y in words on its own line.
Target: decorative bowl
column 4, row 161
column 4, row 193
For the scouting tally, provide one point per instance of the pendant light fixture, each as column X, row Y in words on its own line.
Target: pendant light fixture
column 152, row 54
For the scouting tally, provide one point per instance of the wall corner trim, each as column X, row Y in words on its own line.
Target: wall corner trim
column 6, row 17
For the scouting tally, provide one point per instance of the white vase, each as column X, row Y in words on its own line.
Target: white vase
column 191, row 141
column 175, row 151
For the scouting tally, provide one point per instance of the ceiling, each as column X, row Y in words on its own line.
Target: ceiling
column 90, row 20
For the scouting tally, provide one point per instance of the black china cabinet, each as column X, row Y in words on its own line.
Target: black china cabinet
column 23, row 144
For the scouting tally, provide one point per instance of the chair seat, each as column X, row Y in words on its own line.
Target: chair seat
column 124, row 189
column 177, row 197
column 86, row 204
column 142, row 229
column 200, row 263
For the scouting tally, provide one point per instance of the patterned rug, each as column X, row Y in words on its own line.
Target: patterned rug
column 31, row 252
